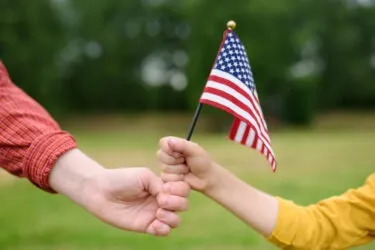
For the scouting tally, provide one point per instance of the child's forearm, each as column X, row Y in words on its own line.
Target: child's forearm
column 256, row 208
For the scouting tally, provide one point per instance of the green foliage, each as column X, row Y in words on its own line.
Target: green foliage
column 110, row 56
column 301, row 102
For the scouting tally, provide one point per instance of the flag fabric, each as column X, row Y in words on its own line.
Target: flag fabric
column 231, row 87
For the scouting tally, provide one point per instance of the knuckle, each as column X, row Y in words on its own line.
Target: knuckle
column 177, row 221
column 185, row 205
column 167, row 168
column 164, row 168
column 171, row 161
column 185, row 169
column 160, row 214
column 164, row 177
column 180, row 204
column 170, row 177
column 185, row 188
column 161, row 141
column 178, row 177
column 180, row 160
column 158, row 154
column 179, row 185
column 163, row 200
column 167, row 187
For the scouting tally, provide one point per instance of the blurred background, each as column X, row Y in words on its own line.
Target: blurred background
column 119, row 75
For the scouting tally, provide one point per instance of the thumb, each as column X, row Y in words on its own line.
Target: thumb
column 151, row 182
column 184, row 147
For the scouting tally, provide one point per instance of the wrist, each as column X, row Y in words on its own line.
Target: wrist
column 72, row 173
column 217, row 179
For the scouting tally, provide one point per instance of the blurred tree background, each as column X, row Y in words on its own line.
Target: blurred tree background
column 84, row 56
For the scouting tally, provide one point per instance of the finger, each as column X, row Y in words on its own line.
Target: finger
column 170, row 153
column 184, row 147
column 168, row 217
column 164, row 146
column 172, row 202
column 171, row 177
column 179, row 188
column 175, row 169
column 158, row 228
column 169, row 159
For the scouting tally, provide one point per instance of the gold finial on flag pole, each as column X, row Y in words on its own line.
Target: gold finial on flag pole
column 231, row 25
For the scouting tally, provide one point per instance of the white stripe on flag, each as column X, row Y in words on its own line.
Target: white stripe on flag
column 225, row 102
column 270, row 158
column 240, row 132
column 250, row 138
column 265, row 152
column 245, row 101
column 241, row 85
column 232, row 106
column 260, row 109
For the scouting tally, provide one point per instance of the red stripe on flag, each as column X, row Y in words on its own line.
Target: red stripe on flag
column 234, row 128
column 255, row 142
column 273, row 164
column 245, row 135
column 240, row 105
column 253, row 100
column 232, row 135
column 225, row 108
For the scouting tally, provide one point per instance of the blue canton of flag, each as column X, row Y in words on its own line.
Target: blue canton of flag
column 233, row 60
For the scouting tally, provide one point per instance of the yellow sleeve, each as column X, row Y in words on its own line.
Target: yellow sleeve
column 335, row 223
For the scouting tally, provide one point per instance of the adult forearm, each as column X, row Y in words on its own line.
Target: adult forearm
column 256, row 208
column 71, row 173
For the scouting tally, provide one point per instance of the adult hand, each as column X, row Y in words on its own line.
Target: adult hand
column 133, row 199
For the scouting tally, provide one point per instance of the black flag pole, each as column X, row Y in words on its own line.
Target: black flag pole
column 231, row 25
column 194, row 122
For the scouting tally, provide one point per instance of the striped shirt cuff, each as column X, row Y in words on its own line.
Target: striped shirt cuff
column 42, row 155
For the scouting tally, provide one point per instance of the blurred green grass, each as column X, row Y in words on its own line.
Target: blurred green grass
column 313, row 165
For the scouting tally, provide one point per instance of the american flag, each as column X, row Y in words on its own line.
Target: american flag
column 231, row 87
